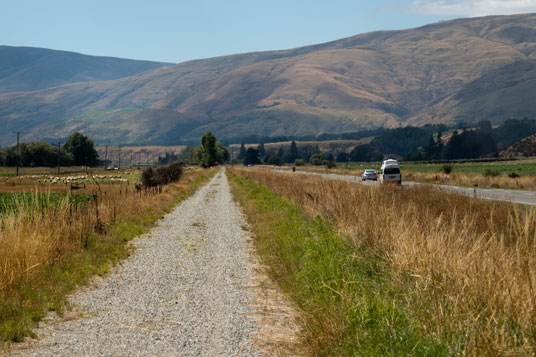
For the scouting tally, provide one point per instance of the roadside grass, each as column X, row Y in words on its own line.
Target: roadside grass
column 470, row 264
column 46, row 255
column 352, row 304
column 515, row 175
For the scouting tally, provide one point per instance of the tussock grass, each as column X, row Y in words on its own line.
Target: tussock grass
column 46, row 251
column 470, row 264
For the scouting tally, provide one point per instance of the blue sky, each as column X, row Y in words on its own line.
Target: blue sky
column 181, row 30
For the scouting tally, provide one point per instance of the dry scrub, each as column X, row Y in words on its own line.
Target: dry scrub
column 32, row 236
column 523, row 182
column 469, row 265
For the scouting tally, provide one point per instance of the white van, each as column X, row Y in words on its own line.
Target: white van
column 390, row 171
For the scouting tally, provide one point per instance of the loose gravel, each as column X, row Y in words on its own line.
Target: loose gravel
column 182, row 293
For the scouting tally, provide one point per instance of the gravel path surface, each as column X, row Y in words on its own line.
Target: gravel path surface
column 184, row 291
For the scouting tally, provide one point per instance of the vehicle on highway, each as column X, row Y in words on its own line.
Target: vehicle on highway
column 369, row 175
column 390, row 171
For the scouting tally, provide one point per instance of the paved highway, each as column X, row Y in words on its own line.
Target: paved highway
column 516, row 196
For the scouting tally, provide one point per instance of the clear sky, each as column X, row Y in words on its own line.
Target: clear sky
column 181, row 30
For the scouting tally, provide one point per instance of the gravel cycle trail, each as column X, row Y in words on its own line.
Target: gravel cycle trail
column 183, row 292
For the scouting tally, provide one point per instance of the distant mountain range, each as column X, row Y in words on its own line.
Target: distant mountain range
column 25, row 69
column 466, row 69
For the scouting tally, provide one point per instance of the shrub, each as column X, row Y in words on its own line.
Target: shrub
column 316, row 159
column 329, row 164
column 273, row 159
column 491, row 173
column 447, row 169
column 299, row 162
column 513, row 175
column 162, row 175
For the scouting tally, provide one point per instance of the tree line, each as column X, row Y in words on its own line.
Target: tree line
column 78, row 150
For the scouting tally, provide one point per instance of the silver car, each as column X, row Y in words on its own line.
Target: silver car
column 369, row 175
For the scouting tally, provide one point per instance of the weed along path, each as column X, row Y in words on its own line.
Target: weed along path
column 185, row 291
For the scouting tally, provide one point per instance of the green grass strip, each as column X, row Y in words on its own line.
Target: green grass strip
column 350, row 301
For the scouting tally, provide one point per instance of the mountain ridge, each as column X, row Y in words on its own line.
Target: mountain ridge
column 463, row 69
column 24, row 69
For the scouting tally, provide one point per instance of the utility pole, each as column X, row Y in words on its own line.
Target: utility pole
column 18, row 158
column 105, row 157
column 119, row 165
column 59, row 143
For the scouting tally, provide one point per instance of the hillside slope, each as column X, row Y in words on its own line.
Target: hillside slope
column 28, row 68
column 466, row 69
column 523, row 148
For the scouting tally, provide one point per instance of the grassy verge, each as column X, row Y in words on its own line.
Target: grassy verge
column 471, row 262
column 37, row 276
column 351, row 303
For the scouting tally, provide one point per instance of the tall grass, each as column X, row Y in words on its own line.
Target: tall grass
column 490, row 179
column 35, row 236
column 471, row 264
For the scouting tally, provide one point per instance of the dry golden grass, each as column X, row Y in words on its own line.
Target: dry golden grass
column 33, row 237
column 471, row 264
column 523, row 182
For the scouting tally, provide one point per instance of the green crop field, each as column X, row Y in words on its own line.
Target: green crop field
column 18, row 200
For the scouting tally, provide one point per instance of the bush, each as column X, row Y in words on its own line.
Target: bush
column 273, row 159
column 513, row 175
column 299, row 162
column 447, row 169
column 491, row 173
column 162, row 175
column 316, row 159
column 329, row 164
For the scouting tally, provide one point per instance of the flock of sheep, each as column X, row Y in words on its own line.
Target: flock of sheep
column 75, row 180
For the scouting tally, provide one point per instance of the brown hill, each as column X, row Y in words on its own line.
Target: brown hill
column 29, row 68
column 523, row 148
column 467, row 69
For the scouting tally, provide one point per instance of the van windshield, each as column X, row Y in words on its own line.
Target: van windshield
column 391, row 170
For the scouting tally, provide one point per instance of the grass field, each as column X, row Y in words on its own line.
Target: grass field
column 466, row 267
column 43, row 201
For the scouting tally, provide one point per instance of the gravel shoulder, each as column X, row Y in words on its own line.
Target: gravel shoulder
column 186, row 291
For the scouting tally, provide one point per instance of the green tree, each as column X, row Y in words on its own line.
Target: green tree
column 242, row 152
column 82, row 149
column 316, row 159
column 365, row 153
column 261, row 150
column 252, row 157
column 208, row 153
column 293, row 148
column 189, row 155
column 222, row 154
